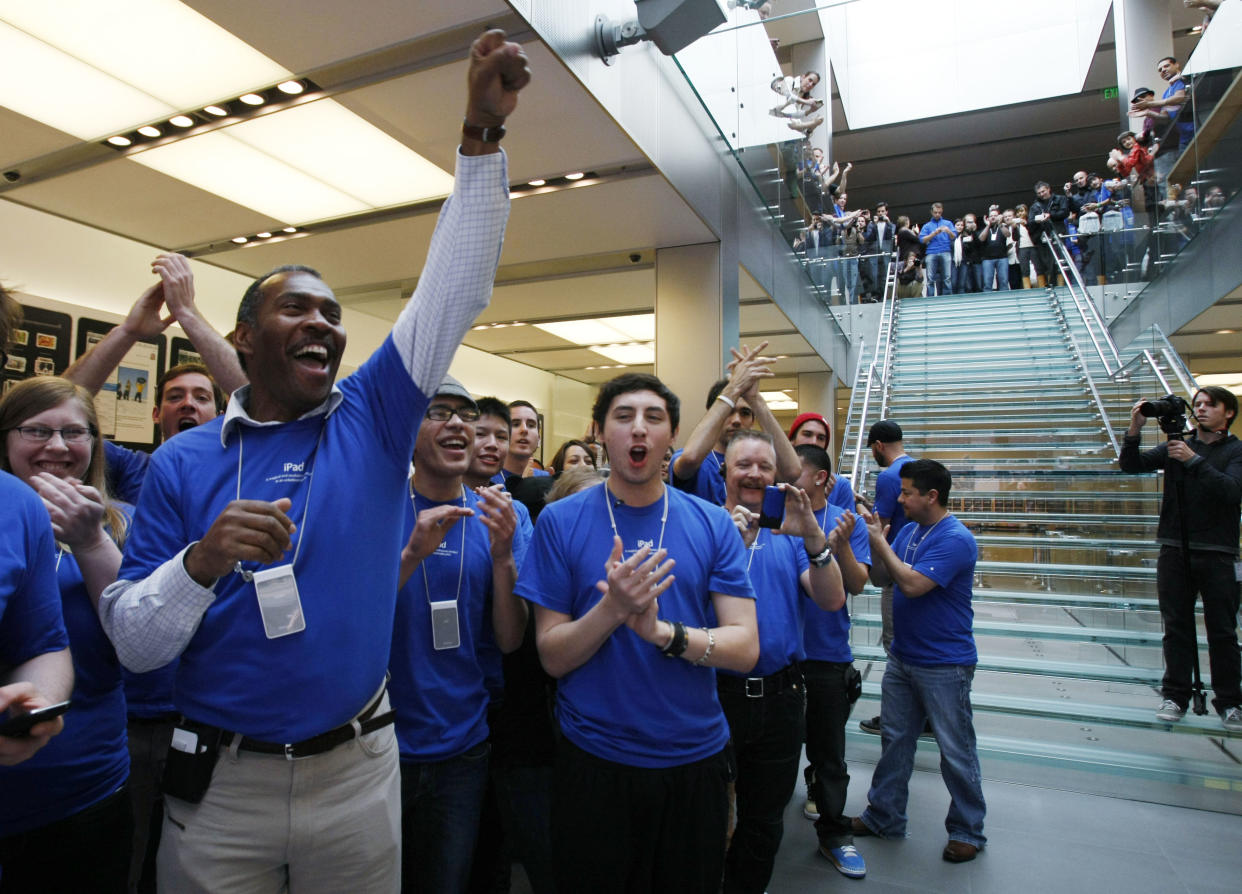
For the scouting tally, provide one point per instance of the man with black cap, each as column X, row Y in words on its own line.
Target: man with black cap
column 457, row 569
column 890, row 455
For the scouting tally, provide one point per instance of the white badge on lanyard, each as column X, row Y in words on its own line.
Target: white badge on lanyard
column 445, row 631
column 279, row 602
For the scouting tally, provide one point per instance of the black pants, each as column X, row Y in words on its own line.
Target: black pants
column 1212, row 577
column 617, row 828
column 88, row 851
column 827, row 777
column 767, row 743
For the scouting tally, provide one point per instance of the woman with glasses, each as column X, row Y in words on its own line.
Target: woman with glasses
column 65, row 818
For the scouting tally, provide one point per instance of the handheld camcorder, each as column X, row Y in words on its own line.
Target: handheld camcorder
column 1170, row 410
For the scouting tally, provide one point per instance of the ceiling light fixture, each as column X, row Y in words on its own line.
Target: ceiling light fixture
column 252, row 99
column 181, row 121
column 218, row 111
column 120, row 141
column 241, row 240
column 576, row 175
column 293, row 88
column 264, row 235
column 149, row 131
column 537, row 183
column 289, row 230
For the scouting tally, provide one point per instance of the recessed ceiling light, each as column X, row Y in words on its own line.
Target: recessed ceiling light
column 218, row 111
column 264, row 235
column 181, row 120
column 289, row 230
column 293, row 88
column 576, row 175
column 120, row 141
column 252, row 99
column 149, row 131
column 240, row 240
column 538, row 182
column 1225, row 331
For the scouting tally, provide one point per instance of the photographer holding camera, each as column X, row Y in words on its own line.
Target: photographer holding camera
column 1198, row 537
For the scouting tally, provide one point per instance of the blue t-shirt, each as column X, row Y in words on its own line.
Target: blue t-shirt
column 126, row 470
column 439, row 695
column 1185, row 124
column 938, row 627
column 941, row 242
column 31, row 620
column 827, row 634
column 842, row 494
column 89, row 759
column 628, row 703
column 775, row 563
column 707, row 483
column 297, row 686
column 887, row 490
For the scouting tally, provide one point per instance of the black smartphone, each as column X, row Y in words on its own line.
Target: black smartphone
column 772, row 512
column 18, row 726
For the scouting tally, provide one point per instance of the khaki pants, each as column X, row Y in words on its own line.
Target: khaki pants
column 329, row 823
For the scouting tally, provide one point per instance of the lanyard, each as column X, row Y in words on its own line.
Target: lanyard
column 461, row 566
column 310, row 475
column 612, row 519
column 912, row 543
column 751, row 557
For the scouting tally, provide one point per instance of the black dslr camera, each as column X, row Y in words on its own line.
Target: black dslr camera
column 1171, row 411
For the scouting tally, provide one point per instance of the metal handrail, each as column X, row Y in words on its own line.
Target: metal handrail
column 884, row 338
column 1174, row 359
column 1095, row 394
column 854, row 395
column 1069, row 272
column 887, row 314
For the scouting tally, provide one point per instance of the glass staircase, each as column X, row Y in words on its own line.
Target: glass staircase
column 1023, row 396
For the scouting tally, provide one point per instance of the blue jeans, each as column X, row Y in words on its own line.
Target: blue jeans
column 440, row 806
column 911, row 696
column 849, row 278
column 995, row 269
column 939, row 267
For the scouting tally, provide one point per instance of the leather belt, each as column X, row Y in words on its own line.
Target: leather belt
column 758, row 687
column 366, row 722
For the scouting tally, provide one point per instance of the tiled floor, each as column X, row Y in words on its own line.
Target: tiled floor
column 1040, row 841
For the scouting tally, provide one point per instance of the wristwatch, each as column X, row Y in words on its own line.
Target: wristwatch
column 483, row 134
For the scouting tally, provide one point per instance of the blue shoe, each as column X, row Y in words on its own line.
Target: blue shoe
column 846, row 859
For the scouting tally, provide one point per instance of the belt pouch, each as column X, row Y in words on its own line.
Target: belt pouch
column 192, row 757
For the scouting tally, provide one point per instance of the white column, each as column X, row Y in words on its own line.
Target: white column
column 696, row 317
column 1143, row 32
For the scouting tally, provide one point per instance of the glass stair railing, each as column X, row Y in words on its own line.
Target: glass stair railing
column 1024, row 397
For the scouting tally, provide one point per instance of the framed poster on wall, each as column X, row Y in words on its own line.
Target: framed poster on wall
column 40, row 345
column 125, row 401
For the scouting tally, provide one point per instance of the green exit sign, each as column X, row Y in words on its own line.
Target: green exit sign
column 1108, row 93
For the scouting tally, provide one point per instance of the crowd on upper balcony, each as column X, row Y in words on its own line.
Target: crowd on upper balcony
column 1106, row 221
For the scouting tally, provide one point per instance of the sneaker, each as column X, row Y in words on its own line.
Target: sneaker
column 1232, row 719
column 846, row 859
column 1170, row 711
column 809, row 809
column 870, row 726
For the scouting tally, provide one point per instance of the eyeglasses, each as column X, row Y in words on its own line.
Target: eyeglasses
column 41, row 434
column 443, row 413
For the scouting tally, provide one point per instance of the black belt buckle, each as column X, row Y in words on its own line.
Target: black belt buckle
column 754, row 687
